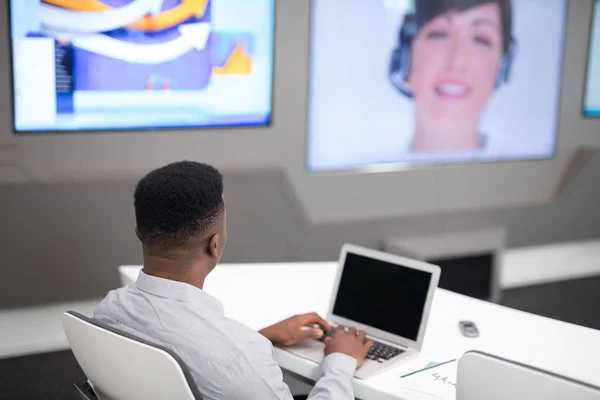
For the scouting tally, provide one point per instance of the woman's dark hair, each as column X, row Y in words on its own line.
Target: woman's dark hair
column 426, row 10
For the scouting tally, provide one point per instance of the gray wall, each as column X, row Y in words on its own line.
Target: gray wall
column 64, row 241
column 67, row 219
column 281, row 146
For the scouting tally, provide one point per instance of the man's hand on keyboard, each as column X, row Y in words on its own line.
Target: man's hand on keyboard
column 351, row 343
column 296, row 329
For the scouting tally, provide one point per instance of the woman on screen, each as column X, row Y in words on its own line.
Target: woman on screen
column 452, row 55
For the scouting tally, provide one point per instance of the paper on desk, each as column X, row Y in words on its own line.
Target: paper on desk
column 435, row 379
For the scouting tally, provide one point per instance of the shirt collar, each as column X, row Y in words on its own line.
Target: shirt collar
column 178, row 291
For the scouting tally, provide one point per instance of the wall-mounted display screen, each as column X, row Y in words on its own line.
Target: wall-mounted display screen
column 402, row 83
column 591, row 106
column 141, row 64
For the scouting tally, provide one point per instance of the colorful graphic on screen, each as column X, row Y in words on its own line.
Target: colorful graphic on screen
column 141, row 64
column 591, row 107
column 399, row 83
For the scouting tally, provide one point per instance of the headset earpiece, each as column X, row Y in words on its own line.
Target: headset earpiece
column 506, row 64
column 400, row 60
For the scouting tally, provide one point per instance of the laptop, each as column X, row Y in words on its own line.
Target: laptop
column 386, row 296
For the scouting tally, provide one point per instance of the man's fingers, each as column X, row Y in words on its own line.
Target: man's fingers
column 367, row 346
column 352, row 331
column 304, row 334
column 314, row 318
column 316, row 333
column 362, row 336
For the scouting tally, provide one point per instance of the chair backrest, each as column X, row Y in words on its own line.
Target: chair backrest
column 484, row 376
column 120, row 366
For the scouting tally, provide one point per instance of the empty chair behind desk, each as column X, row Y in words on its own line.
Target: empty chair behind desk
column 486, row 377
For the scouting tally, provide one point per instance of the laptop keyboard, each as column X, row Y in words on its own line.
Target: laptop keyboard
column 379, row 352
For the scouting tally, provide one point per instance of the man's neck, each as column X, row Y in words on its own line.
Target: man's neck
column 193, row 274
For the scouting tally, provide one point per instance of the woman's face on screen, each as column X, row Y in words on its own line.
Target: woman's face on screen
column 454, row 64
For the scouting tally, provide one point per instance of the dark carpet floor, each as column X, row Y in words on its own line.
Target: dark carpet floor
column 50, row 376
column 44, row 376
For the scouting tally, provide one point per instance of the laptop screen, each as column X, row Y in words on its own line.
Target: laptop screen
column 382, row 295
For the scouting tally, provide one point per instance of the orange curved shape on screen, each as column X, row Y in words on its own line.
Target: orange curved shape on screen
column 148, row 23
column 79, row 5
column 173, row 17
column 237, row 64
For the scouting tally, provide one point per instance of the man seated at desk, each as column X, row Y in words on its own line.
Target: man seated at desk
column 181, row 222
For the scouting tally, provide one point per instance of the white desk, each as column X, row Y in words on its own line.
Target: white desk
column 261, row 294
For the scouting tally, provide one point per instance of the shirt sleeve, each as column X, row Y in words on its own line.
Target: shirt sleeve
column 256, row 375
column 335, row 382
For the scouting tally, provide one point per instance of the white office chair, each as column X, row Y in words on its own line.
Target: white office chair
column 484, row 376
column 120, row 366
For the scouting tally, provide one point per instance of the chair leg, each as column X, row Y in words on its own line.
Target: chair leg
column 85, row 391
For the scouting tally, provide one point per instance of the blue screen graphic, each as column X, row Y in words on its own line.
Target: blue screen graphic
column 90, row 65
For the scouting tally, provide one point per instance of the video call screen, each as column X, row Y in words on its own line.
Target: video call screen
column 399, row 83
column 141, row 64
column 591, row 106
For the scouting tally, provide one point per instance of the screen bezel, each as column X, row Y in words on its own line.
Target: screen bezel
column 400, row 262
column 135, row 130
column 594, row 14
column 382, row 167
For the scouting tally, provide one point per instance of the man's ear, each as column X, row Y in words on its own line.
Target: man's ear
column 214, row 246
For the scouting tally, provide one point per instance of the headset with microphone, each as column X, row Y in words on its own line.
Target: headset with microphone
column 400, row 62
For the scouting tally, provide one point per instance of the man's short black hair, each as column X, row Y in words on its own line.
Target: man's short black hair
column 178, row 203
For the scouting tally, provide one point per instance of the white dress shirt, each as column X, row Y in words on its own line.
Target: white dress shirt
column 228, row 360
